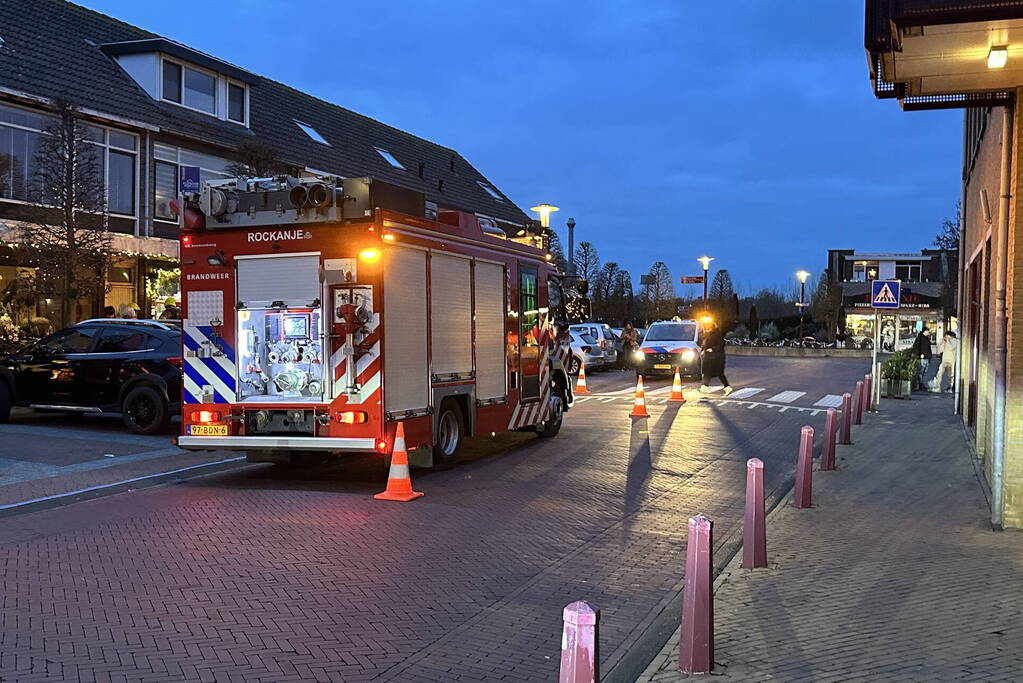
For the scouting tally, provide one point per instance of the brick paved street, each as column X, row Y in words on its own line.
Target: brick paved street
column 264, row 573
column 46, row 458
column 894, row 575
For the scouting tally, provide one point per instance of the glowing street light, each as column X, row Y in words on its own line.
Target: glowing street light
column 544, row 211
column 705, row 260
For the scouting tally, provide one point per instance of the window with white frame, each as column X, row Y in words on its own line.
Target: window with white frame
column 204, row 91
column 20, row 132
column 907, row 271
column 166, row 161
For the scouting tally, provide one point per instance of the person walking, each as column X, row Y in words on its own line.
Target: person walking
column 630, row 342
column 922, row 350
column 713, row 350
column 949, row 349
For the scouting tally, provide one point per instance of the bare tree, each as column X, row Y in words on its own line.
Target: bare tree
column 556, row 252
column 826, row 302
column 948, row 238
column 659, row 294
column 67, row 232
column 587, row 261
column 255, row 159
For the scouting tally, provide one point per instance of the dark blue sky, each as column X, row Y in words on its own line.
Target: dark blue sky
column 746, row 130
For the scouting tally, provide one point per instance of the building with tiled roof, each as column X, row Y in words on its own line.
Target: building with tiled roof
column 157, row 104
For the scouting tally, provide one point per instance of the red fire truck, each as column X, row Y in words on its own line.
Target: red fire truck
column 320, row 312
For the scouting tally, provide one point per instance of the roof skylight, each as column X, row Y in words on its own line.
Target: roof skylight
column 491, row 191
column 389, row 158
column 311, row 132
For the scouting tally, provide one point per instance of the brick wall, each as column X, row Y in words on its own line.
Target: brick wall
column 1014, row 370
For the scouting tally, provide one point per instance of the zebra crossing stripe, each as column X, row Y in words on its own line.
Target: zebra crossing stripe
column 830, row 401
column 786, row 396
column 746, row 392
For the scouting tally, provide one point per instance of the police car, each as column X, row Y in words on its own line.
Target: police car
column 668, row 345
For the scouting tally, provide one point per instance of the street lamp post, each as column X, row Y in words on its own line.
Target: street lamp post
column 544, row 211
column 802, row 275
column 571, row 246
column 705, row 260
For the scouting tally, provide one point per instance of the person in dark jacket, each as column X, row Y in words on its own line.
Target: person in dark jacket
column 922, row 350
column 713, row 349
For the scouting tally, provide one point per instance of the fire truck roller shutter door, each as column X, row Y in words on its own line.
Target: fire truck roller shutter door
column 293, row 279
column 406, row 374
column 491, row 367
column 451, row 312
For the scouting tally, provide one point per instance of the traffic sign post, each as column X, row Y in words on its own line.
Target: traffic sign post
column 884, row 295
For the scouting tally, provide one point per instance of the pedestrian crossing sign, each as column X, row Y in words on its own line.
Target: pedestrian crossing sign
column 885, row 293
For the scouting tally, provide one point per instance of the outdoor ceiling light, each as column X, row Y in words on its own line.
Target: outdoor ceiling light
column 997, row 57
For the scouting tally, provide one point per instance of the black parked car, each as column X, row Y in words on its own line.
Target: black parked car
column 103, row 365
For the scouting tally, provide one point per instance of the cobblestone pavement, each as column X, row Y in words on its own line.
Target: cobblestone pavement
column 894, row 575
column 273, row 574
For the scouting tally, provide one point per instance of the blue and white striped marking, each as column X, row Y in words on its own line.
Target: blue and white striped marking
column 216, row 371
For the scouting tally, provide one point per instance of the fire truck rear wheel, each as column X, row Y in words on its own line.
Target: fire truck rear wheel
column 450, row 429
column 552, row 425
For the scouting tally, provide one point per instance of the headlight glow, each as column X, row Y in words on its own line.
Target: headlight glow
column 638, row 355
column 688, row 354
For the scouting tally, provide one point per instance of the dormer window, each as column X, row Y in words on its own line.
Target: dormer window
column 189, row 87
column 171, row 72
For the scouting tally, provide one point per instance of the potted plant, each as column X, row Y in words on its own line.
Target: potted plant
column 898, row 374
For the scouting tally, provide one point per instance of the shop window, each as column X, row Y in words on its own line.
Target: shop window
column 121, row 275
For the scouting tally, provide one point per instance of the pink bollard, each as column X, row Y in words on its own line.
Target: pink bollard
column 579, row 661
column 828, row 450
column 858, row 404
column 696, row 643
column 804, row 469
column 846, row 437
column 754, row 525
column 868, row 388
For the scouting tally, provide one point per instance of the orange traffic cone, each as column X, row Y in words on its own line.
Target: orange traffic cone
column 580, row 384
column 399, row 483
column 639, row 405
column 676, row 388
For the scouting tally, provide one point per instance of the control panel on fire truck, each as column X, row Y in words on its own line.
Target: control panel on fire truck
column 280, row 354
